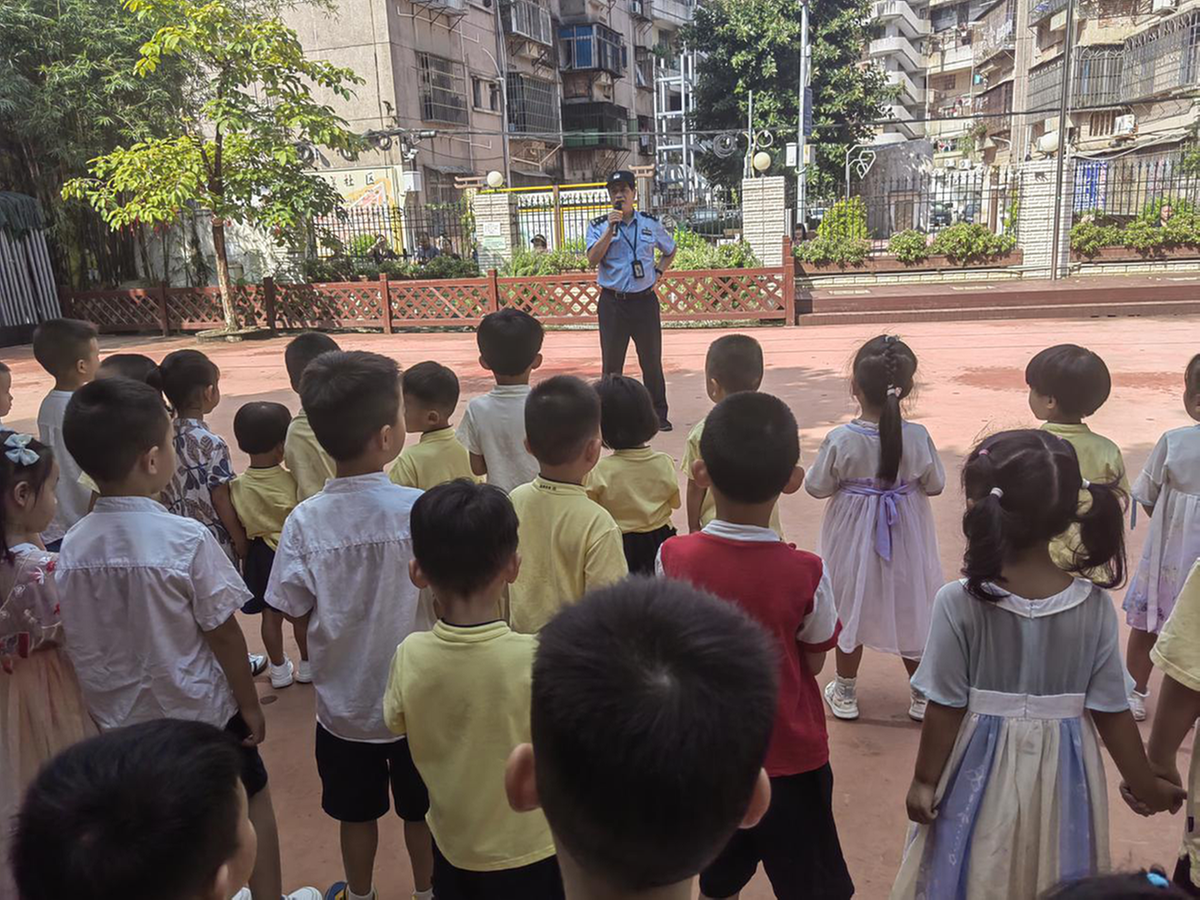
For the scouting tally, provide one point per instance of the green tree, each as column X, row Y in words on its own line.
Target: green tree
column 234, row 152
column 754, row 45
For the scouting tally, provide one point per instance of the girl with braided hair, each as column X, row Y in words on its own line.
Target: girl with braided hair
column 878, row 538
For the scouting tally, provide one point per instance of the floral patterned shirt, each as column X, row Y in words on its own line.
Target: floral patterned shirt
column 202, row 464
column 29, row 615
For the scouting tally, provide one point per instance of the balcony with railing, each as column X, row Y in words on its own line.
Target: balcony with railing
column 995, row 109
column 951, row 50
column 591, row 47
column 595, row 125
column 910, row 93
column 527, row 19
column 1164, row 59
column 903, row 16
column 995, row 32
column 533, row 105
column 1041, row 10
column 899, row 48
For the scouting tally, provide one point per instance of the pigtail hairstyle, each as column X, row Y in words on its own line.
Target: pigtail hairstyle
column 1022, row 489
column 22, row 458
column 884, row 370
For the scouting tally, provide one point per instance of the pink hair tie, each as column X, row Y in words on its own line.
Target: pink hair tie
column 984, row 452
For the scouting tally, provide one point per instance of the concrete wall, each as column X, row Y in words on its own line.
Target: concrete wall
column 1036, row 217
column 495, row 228
column 765, row 217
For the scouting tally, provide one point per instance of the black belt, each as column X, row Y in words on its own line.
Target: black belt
column 622, row 295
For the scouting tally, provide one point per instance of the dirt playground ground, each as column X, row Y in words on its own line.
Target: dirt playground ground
column 971, row 383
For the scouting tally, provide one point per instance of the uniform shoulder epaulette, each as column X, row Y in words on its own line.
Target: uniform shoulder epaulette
column 600, row 220
column 647, row 215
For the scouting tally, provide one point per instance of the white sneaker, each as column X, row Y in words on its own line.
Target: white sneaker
column 281, row 676
column 258, row 663
column 842, row 696
column 243, row 894
column 305, row 893
column 304, row 672
column 916, row 709
column 1137, row 704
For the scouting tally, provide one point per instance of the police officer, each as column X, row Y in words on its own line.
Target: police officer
column 622, row 244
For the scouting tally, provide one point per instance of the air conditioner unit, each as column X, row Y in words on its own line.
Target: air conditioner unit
column 1125, row 125
column 964, row 164
column 1163, row 7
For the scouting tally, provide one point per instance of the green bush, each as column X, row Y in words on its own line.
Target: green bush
column 971, row 242
column 841, row 237
column 337, row 268
column 446, row 267
column 529, row 263
column 1089, row 237
column 360, row 245
column 845, row 219
column 1145, row 234
column 694, row 252
column 909, row 246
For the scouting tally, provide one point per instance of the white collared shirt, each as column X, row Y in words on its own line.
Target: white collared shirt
column 137, row 587
column 73, row 498
column 494, row 427
column 343, row 556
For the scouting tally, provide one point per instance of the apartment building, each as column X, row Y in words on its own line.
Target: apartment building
column 900, row 50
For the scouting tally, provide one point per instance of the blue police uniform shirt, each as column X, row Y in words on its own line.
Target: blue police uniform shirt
column 642, row 232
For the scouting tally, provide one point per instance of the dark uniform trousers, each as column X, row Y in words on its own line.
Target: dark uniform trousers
column 637, row 316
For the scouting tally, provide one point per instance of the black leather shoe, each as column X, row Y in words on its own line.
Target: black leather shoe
column 665, row 425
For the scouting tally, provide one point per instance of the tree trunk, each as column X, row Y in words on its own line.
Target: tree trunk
column 218, row 233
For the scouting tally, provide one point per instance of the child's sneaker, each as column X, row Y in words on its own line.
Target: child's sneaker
column 282, row 675
column 916, row 709
column 304, row 893
column 842, row 696
column 341, row 891
column 1137, row 704
column 258, row 663
column 304, row 672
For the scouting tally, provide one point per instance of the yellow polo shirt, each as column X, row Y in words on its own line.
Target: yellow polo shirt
column 88, row 482
column 306, row 459
column 568, row 543
column 461, row 695
column 708, row 509
column 436, row 458
column 638, row 487
column 1100, row 460
column 262, row 499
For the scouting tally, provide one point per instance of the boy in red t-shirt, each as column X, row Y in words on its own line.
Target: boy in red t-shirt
column 749, row 453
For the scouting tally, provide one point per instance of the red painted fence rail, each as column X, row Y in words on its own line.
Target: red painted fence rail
column 764, row 294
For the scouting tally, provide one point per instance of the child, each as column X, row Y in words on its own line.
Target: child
column 262, row 497
column 306, row 459
column 647, row 696
column 461, row 695
column 343, row 558
column 734, row 363
column 123, row 365
column 200, row 488
column 748, row 457
column 493, row 427
column 149, row 598
column 1066, row 385
column 1169, row 489
column 637, row 485
column 68, row 350
column 1143, row 885
column 149, row 812
column 569, row 543
column 6, row 397
column 1009, row 792
column 41, row 708
column 430, row 396
column 878, row 537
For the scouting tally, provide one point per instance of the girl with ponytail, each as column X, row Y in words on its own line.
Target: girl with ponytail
column 1022, row 669
column 878, row 538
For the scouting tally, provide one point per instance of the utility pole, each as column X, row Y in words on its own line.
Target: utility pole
column 801, row 171
column 1064, row 109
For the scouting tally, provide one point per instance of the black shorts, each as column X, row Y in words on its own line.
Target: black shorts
column 796, row 841
column 537, row 881
column 641, row 548
column 256, row 572
column 355, row 777
column 254, row 771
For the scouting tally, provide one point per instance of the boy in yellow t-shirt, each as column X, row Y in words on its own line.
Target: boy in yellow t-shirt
column 569, row 543
column 734, row 364
column 262, row 497
column 430, row 397
column 306, row 459
column 460, row 693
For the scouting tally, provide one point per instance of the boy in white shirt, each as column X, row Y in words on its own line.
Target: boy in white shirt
column 148, row 598
column 493, row 427
column 68, row 350
column 343, row 558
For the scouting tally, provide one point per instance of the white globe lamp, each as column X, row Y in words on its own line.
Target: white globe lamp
column 762, row 161
column 495, row 180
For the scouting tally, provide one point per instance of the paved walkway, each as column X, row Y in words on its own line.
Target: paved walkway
column 971, row 383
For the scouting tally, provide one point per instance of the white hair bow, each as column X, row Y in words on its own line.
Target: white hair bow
column 18, row 449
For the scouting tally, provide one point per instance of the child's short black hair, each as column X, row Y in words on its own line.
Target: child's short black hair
column 58, row 344
column 147, row 812
column 735, row 362
column 561, row 415
column 109, row 423
column 652, row 708
column 1127, row 886
column 462, row 515
column 1191, row 375
column 432, row 385
column 4, row 369
column 261, row 426
column 302, row 350
column 185, row 375
column 137, row 366
column 509, row 340
column 750, row 447
column 627, row 416
column 350, row 396
column 1074, row 376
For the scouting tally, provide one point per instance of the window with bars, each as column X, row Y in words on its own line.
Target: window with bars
column 533, row 105
column 442, row 89
column 485, row 94
column 592, row 46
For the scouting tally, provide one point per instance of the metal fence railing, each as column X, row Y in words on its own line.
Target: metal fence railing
column 1132, row 186
column 380, row 232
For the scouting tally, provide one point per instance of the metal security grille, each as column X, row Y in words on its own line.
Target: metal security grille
column 533, row 106
column 1097, row 81
column 1164, row 59
column 443, row 89
column 523, row 18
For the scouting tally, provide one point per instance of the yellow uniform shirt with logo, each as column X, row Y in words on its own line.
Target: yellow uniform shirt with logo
column 262, row 499
column 639, row 488
column 306, row 459
column 461, row 695
column 708, row 509
column 1100, row 460
column 1177, row 653
column 569, row 545
column 436, row 458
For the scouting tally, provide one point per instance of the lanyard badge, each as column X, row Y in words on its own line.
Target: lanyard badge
column 639, row 270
